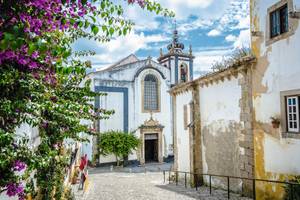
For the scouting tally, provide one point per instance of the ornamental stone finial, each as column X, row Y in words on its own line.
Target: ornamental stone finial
column 161, row 52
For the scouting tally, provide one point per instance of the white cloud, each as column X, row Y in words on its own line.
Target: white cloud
column 214, row 33
column 243, row 23
column 243, row 39
column 189, row 25
column 230, row 38
column 205, row 58
column 143, row 20
column 185, row 8
column 122, row 47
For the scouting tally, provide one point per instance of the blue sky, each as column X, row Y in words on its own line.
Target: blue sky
column 213, row 27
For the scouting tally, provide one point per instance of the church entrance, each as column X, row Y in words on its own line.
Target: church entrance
column 151, row 147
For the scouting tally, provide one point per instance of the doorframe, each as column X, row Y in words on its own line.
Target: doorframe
column 151, row 127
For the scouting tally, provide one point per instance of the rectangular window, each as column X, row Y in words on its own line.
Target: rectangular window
column 292, row 113
column 279, row 21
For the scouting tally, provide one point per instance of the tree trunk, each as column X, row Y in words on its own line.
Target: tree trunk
column 118, row 161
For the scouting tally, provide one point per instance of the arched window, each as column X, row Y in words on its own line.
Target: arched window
column 183, row 72
column 151, row 97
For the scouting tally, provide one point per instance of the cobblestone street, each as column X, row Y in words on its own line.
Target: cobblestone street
column 142, row 186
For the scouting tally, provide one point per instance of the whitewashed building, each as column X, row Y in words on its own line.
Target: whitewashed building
column 244, row 120
column 276, row 92
column 137, row 90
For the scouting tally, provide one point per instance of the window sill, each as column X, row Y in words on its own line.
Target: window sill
column 151, row 111
column 282, row 36
column 291, row 135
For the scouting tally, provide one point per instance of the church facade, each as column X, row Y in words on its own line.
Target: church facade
column 137, row 91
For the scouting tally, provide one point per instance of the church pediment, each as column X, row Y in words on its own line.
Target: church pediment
column 151, row 124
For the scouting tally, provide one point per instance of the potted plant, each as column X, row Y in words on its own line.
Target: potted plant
column 275, row 122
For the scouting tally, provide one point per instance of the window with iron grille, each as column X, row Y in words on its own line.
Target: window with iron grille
column 279, row 21
column 150, row 93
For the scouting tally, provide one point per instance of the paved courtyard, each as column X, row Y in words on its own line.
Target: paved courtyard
column 106, row 185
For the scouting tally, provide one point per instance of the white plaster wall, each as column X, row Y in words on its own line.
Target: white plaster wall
column 219, row 106
column 282, row 74
column 183, row 136
column 220, row 101
column 285, row 155
column 112, row 101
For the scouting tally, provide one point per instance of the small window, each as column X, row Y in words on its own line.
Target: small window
column 292, row 113
column 279, row 21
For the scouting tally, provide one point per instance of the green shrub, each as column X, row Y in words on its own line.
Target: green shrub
column 296, row 190
column 118, row 143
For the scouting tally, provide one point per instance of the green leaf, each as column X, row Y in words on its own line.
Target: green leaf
column 95, row 29
column 103, row 5
column 31, row 48
column 111, row 30
column 8, row 36
column 104, row 28
column 125, row 31
column 86, row 24
column 93, row 18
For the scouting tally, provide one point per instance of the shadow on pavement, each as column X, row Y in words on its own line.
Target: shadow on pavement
column 151, row 167
column 202, row 193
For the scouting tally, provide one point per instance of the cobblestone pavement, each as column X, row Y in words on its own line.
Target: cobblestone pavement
column 106, row 185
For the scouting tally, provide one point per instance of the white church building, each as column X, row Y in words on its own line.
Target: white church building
column 138, row 91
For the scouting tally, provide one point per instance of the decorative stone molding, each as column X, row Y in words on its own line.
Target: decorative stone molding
column 149, row 127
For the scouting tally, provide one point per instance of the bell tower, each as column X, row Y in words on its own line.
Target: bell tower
column 179, row 62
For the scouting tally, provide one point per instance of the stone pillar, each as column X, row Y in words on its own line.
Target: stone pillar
column 246, row 142
column 142, row 149
column 197, row 166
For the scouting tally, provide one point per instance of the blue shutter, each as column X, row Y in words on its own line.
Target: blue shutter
column 277, row 16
